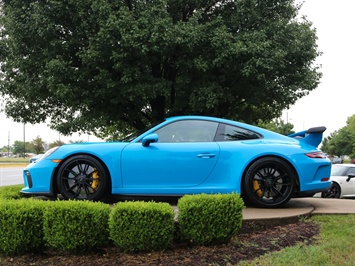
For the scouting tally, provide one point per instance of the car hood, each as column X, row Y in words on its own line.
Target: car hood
column 92, row 148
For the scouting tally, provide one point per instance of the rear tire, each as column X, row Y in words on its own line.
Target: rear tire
column 82, row 177
column 269, row 183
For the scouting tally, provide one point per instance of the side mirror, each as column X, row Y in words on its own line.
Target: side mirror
column 151, row 138
column 349, row 177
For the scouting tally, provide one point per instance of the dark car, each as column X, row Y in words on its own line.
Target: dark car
column 36, row 157
column 336, row 160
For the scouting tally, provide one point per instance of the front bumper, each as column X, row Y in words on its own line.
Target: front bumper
column 38, row 178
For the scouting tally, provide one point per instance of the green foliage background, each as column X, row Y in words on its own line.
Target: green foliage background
column 117, row 66
column 342, row 142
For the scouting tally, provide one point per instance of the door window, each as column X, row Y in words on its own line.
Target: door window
column 188, row 131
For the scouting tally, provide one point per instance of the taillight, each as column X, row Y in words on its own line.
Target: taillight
column 319, row 155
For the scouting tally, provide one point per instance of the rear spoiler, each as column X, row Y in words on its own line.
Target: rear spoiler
column 312, row 136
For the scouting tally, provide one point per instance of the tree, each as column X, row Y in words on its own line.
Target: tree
column 279, row 126
column 4, row 149
column 20, row 147
column 38, row 145
column 93, row 65
column 55, row 144
column 342, row 142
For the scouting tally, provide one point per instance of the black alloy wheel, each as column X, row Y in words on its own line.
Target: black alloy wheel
column 82, row 177
column 334, row 191
column 269, row 183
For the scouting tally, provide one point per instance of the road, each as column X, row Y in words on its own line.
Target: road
column 11, row 176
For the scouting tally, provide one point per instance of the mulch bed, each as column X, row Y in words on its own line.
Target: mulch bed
column 247, row 246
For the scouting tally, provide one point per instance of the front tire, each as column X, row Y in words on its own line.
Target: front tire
column 334, row 191
column 82, row 177
column 269, row 183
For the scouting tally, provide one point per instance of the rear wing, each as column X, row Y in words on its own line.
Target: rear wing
column 312, row 136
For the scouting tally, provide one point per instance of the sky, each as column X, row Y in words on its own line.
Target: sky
column 329, row 105
column 334, row 100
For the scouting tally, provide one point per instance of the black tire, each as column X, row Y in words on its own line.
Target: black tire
column 82, row 177
column 269, row 183
column 334, row 191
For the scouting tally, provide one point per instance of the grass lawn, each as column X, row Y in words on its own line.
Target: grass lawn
column 335, row 245
column 13, row 162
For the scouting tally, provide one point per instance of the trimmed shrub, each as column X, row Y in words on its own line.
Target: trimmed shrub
column 11, row 192
column 209, row 219
column 76, row 226
column 21, row 223
column 142, row 226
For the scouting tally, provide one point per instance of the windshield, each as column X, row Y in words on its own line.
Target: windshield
column 137, row 133
column 338, row 170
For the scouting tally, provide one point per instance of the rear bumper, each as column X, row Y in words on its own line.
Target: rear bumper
column 309, row 193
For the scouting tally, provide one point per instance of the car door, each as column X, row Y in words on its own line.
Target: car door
column 349, row 186
column 184, row 156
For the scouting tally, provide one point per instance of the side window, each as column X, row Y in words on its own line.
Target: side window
column 188, row 131
column 230, row 133
column 351, row 171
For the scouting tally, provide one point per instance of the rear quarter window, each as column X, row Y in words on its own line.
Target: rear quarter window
column 233, row 133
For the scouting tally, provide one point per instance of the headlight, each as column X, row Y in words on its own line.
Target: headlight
column 49, row 152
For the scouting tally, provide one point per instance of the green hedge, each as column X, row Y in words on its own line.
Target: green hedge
column 21, row 223
column 76, row 226
column 30, row 225
column 142, row 226
column 208, row 219
column 11, row 192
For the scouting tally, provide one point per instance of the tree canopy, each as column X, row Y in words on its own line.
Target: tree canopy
column 342, row 141
column 35, row 146
column 278, row 125
column 100, row 66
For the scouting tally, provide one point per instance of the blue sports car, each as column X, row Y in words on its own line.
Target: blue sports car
column 187, row 155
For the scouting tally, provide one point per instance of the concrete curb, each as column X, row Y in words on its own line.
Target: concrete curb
column 258, row 218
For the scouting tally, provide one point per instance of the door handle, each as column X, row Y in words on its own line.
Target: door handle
column 206, row 155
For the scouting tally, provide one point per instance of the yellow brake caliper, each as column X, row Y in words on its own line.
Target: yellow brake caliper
column 256, row 187
column 95, row 182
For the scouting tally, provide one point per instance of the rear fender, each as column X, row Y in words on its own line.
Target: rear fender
column 312, row 136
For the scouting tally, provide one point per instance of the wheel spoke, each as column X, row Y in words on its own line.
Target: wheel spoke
column 93, row 171
column 79, row 165
column 277, row 191
column 86, row 168
column 68, row 178
column 87, row 190
column 259, row 176
column 75, row 174
column 78, row 191
column 71, row 188
column 276, row 178
column 272, row 172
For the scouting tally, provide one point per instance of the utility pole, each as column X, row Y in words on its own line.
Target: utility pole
column 8, row 145
column 24, row 141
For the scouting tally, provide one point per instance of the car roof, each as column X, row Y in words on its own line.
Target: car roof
column 265, row 132
column 344, row 164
